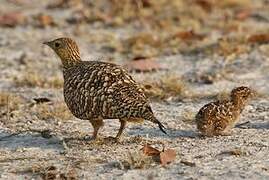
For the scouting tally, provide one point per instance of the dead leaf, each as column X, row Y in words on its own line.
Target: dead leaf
column 205, row 4
column 12, row 19
column 150, row 151
column 45, row 20
column 139, row 58
column 258, row 38
column 145, row 3
column 233, row 3
column 143, row 64
column 64, row 4
column 243, row 14
column 189, row 35
column 167, row 156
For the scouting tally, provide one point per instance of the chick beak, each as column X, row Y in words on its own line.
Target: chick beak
column 254, row 93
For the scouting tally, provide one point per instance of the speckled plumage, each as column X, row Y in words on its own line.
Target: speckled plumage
column 98, row 90
column 217, row 118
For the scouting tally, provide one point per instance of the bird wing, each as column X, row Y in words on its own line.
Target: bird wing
column 128, row 95
column 113, row 90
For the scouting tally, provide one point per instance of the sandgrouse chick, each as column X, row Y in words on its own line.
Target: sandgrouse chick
column 217, row 118
column 96, row 90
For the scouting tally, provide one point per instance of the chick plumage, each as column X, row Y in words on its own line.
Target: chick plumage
column 96, row 90
column 217, row 118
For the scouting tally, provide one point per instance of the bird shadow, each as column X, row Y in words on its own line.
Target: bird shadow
column 171, row 133
column 27, row 140
column 253, row 125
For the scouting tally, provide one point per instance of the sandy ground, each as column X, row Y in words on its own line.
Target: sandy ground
column 28, row 152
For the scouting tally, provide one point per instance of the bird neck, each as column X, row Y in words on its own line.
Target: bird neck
column 238, row 103
column 68, row 68
column 67, row 63
column 69, row 58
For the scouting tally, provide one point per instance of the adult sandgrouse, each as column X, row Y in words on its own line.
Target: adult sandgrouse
column 98, row 90
column 217, row 118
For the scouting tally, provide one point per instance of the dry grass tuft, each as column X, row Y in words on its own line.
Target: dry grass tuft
column 173, row 85
column 137, row 160
column 57, row 110
column 176, row 87
column 35, row 79
column 52, row 172
column 188, row 116
column 9, row 102
column 170, row 86
column 4, row 98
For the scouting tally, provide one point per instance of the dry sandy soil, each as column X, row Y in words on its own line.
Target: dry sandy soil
column 206, row 47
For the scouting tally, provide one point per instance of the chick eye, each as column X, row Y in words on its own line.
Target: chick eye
column 57, row 44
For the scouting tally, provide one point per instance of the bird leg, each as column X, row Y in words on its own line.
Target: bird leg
column 96, row 124
column 122, row 127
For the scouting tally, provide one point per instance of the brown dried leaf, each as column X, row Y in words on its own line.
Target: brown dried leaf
column 45, row 20
column 167, row 156
column 146, row 3
column 258, row 38
column 143, row 64
column 64, row 4
column 243, row 14
column 233, row 3
column 12, row 19
column 189, row 35
column 137, row 58
column 150, row 151
column 205, row 4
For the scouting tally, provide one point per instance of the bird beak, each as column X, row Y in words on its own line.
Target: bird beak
column 47, row 43
column 254, row 93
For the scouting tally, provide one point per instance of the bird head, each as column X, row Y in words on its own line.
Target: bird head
column 242, row 94
column 66, row 49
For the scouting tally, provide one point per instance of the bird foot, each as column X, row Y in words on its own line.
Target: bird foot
column 112, row 139
column 90, row 138
column 202, row 136
column 225, row 133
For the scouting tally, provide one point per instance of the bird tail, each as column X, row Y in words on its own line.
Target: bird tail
column 152, row 118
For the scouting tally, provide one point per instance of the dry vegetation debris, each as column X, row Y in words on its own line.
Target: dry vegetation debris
column 36, row 79
column 165, row 156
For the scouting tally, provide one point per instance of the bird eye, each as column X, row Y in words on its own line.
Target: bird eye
column 57, row 44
